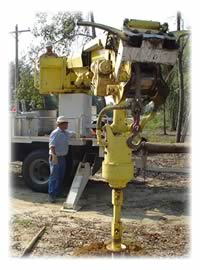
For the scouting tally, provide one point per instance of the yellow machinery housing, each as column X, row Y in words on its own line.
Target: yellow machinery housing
column 54, row 75
column 117, row 167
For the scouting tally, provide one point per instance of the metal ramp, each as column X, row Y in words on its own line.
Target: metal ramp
column 78, row 185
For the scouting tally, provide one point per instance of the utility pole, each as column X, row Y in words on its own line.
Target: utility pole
column 16, row 57
column 17, row 32
column 93, row 28
column 178, row 21
column 181, row 83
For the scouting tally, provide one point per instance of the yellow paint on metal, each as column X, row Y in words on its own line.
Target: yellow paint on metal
column 124, row 73
column 117, row 167
column 116, row 227
column 105, row 67
column 54, row 77
column 100, row 54
column 143, row 24
column 75, row 61
column 51, row 76
column 119, row 121
column 102, row 76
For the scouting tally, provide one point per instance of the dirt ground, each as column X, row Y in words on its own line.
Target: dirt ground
column 155, row 216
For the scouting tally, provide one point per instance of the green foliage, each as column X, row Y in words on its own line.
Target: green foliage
column 172, row 77
column 157, row 136
column 156, row 122
column 59, row 28
column 12, row 82
column 153, row 130
column 26, row 90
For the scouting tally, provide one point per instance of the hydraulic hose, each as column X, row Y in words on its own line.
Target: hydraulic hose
column 107, row 28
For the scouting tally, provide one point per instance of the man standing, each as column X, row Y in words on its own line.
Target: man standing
column 49, row 52
column 58, row 149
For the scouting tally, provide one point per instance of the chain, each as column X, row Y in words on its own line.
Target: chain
column 136, row 109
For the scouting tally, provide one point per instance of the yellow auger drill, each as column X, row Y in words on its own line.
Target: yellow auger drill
column 125, row 64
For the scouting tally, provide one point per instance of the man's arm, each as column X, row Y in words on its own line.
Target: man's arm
column 52, row 141
column 53, row 156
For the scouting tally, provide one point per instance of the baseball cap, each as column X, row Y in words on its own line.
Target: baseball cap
column 62, row 119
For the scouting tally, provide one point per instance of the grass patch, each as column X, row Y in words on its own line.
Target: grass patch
column 156, row 122
column 153, row 131
column 158, row 137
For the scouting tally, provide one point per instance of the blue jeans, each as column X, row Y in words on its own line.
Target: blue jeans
column 57, row 173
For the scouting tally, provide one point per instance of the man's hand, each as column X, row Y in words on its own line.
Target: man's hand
column 53, row 156
column 54, row 159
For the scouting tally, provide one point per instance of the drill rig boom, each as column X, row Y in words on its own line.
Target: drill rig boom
column 125, row 64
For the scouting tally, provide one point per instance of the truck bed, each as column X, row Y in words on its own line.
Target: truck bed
column 31, row 139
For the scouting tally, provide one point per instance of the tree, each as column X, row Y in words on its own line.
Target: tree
column 26, row 92
column 177, row 103
column 182, row 43
column 61, row 29
column 164, row 120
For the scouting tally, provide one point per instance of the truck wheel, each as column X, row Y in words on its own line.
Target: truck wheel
column 36, row 170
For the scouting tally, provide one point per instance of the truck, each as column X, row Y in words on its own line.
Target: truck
column 30, row 137
column 125, row 64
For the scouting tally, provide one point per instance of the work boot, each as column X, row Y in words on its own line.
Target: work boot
column 51, row 199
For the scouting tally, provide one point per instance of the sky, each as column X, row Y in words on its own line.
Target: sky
column 109, row 12
column 26, row 20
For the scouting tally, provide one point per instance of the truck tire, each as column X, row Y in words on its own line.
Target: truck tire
column 36, row 170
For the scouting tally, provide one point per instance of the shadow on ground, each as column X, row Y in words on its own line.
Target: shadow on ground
column 141, row 199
